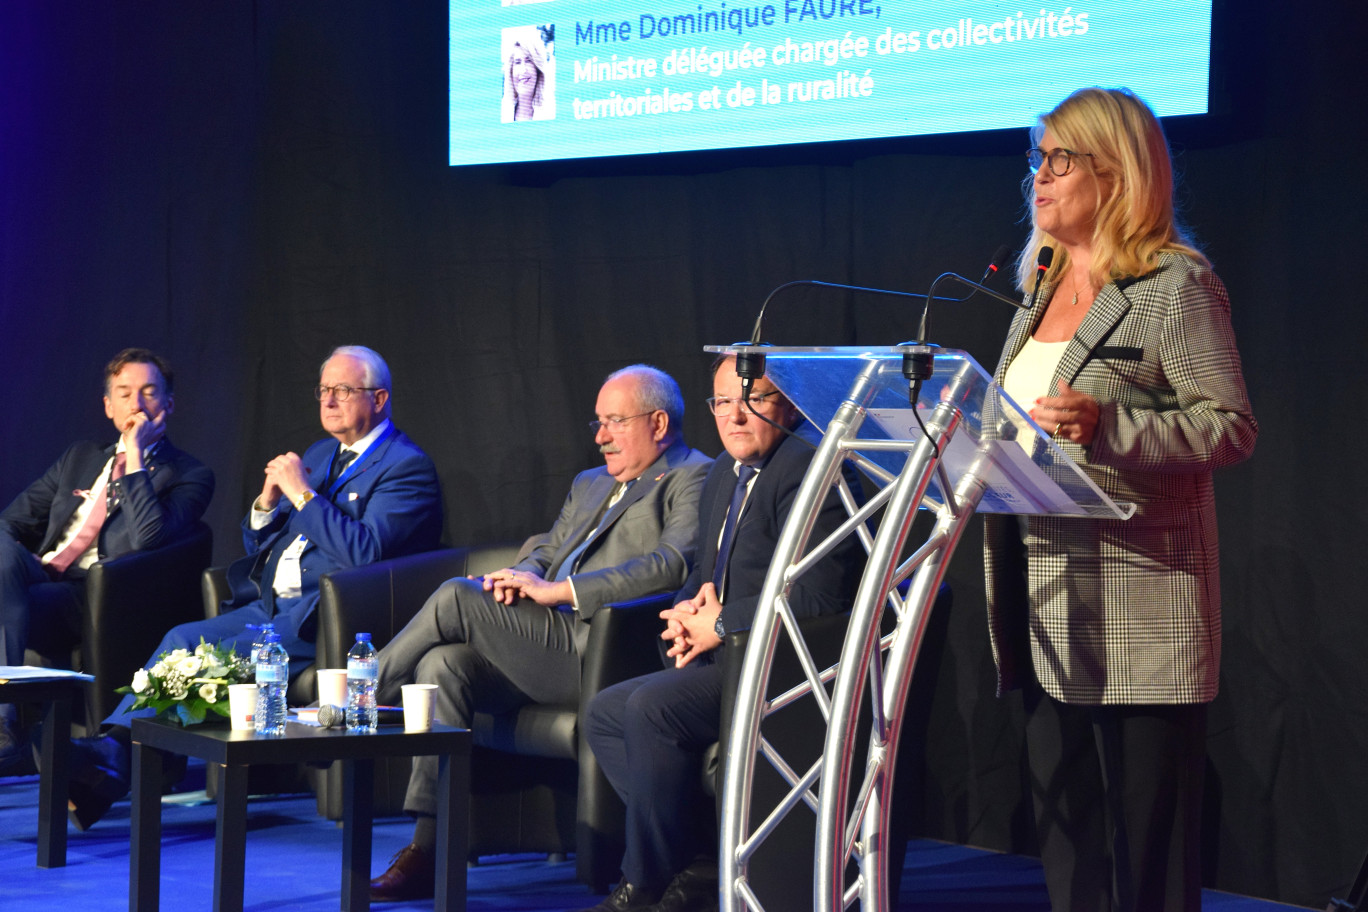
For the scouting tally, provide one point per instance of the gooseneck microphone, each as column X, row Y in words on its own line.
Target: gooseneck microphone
column 924, row 329
column 1000, row 257
column 1043, row 262
column 751, row 366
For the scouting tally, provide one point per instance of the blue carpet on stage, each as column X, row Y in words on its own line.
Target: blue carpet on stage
column 294, row 862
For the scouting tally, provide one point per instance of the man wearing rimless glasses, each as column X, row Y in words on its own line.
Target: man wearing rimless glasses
column 364, row 494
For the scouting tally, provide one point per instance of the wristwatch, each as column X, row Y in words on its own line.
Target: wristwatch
column 304, row 498
column 719, row 629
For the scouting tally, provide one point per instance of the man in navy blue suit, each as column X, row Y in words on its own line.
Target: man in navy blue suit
column 95, row 502
column 366, row 495
column 650, row 733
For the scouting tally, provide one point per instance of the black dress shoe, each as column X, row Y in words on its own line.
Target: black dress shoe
column 412, row 874
column 99, row 777
column 11, row 745
column 174, row 769
column 628, row 898
column 86, row 806
column 693, row 890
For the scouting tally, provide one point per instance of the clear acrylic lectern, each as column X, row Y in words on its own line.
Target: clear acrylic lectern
column 966, row 448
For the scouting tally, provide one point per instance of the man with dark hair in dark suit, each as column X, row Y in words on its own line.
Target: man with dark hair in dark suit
column 95, row 502
column 368, row 493
column 649, row 733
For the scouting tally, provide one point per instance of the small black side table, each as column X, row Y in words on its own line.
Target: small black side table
column 56, row 695
column 235, row 751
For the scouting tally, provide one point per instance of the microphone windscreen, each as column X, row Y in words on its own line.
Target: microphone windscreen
column 330, row 716
column 1003, row 253
column 1043, row 261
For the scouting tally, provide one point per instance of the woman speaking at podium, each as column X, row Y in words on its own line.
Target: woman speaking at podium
column 1112, row 628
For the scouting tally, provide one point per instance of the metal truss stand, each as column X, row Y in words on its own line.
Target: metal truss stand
column 966, row 447
column 1357, row 900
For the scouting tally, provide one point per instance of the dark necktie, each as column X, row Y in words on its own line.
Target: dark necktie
column 340, row 462
column 724, row 547
column 94, row 520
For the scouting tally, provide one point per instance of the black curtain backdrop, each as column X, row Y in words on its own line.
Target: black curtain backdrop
column 244, row 185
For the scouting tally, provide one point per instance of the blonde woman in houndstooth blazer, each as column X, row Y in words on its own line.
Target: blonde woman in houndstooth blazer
column 1112, row 628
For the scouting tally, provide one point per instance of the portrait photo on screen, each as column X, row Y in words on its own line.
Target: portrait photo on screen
column 529, row 73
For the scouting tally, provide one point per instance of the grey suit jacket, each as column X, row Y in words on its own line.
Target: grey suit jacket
column 644, row 545
column 1130, row 611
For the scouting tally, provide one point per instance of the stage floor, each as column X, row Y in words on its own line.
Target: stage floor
column 294, row 862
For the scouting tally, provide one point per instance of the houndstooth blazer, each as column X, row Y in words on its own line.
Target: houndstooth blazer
column 1129, row 611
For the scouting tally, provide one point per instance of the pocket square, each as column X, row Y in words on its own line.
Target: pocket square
column 353, row 495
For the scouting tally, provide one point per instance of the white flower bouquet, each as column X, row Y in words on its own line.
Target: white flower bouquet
column 185, row 686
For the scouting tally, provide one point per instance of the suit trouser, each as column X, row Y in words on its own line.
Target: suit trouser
column 229, row 629
column 649, row 735
column 483, row 656
column 21, row 572
column 21, row 576
column 1118, row 803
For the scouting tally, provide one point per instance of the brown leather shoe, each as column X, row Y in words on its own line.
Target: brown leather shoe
column 412, row 874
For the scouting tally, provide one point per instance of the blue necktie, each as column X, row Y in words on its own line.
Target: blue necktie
column 724, row 547
column 341, row 460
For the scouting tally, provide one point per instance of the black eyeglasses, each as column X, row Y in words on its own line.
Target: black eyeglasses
column 722, row 406
column 617, row 423
column 342, row 391
column 1060, row 160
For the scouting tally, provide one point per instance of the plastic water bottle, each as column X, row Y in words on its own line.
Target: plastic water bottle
column 362, row 670
column 272, row 677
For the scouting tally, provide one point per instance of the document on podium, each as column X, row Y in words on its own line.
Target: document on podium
column 10, row 673
column 1010, row 468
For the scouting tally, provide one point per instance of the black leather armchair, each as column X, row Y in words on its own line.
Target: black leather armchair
column 378, row 598
column 381, row 598
column 131, row 601
column 535, row 784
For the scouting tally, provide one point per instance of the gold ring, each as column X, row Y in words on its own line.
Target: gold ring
column 1058, row 425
